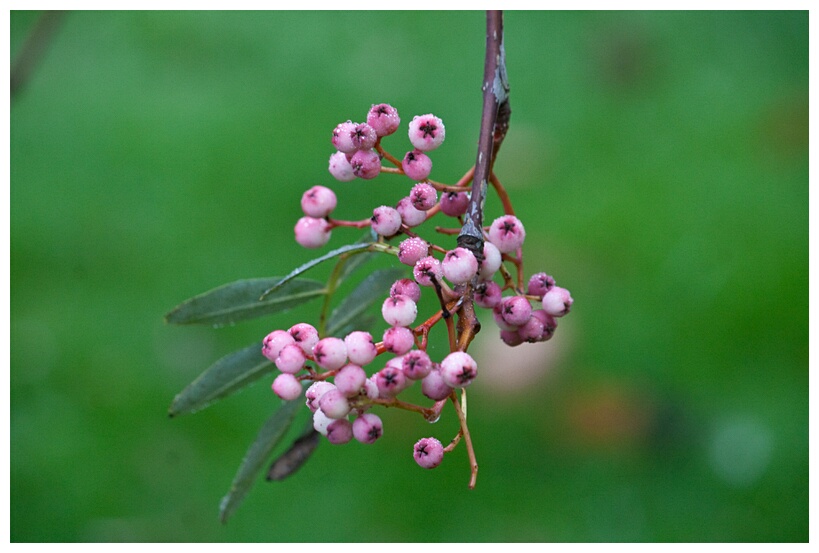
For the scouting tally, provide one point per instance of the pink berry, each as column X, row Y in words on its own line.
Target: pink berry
column 321, row 422
column 491, row 261
column 274, row 342
column 334, row 404
column 350, row 379
column 459, row 265
column 423, row 196
column 314, row 393
column 458, row 369
column 291, row 359
column 406, row 287
column 340, row 167
column 343, row 137
column 497, row 315
column 367, row 428
column 515, row 310
column 384, row 119
column 312, row 232
column 371, row 388
column 339, row 431
column 330, row 353
column 360, row 347
column 366, row 164
column 390, row 381
column 557, row 301
column 454, row 204
column 433, row 385
column 398, row 340
column 386, row 221
column 305, row 335
column 531, row 330
column 426, row 132
column 318, row 201
column 287, row 387
column 410, row 216
column 507, row 233
column 411, row 250
column 416, row 164
column 511, row 337
column 416, row 364
column 399, row 310
column 428, row 453
column 488, row 294
column 363, row 137
column 426, row 270
column 549, row 324
column 539, row 284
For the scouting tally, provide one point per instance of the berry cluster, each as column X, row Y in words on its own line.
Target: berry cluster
column 458, row 277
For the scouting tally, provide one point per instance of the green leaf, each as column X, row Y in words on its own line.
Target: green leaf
column 292, row 460
column 312, row 263
column 226, row 376
column 257, row 456
column 372, row 289
column 239, row 300
column 358, row 258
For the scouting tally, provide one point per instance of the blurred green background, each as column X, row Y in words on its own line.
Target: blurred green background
column 658, row 160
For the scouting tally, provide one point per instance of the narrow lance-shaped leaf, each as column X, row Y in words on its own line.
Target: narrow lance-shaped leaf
column 372, row 289
column 292, row 460
column 225, row 377
column 358, row 258
column 256, row 458
column 239, row 300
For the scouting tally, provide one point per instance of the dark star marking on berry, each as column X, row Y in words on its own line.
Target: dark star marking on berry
column 428, row 129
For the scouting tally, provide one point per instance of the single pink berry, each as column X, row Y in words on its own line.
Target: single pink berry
column 274, row 342
column 321, row 422
column 330, row 353
column 511, row 337
column 497, row 315
column 384, row 119
column 350, row 379
column 399, row 310
column 458, row 369
column 340, row 167
column 386, row 221
column 427, row 270
column 531, row 330
column 428, row 453
column 360, row 347
column 459, row 265
column 416, row 165
column 367, row 428
column 314, row 393
column 507, row 233
column 366, row 164
column 398, row 340
column 406, row 287
column 363, row 137
column 488, row 294
column 557, row 301
column 426, row 132
column 410, row 215
column 539, row 284
column 318, row 201
column 515, row 310
column 390, row 381
column 312, row 232
column 339, row 431
column 291, row 359
column 549, row 324
column 433, row 385
column 411, row 250
column 305, row 335
column 287, row 386
column 491, row 261
column 454, row 204
column 423, row 196
column 334, row 404
column 343, row 137
column 416, row 364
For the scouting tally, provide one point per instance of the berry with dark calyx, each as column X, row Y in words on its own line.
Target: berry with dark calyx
column 411, row 250
column 363, row 137
column 426, row 270
column 406, row 287
column 557, row 301
column 454, row 204
column 386, row 221
column 287, row 387
column 459, row 265
column 416, row 364
column 531, row 330
column 311, row 232
column 410, row 215
column 367, row 428
column 416, row 165
column 549, row 324
column 398, row 340
column 423, row 196
column 340, row 167
column 428, row 453
column 399, row 310
column 360, row 347
column 274, row 342
column 390, row 381
column 539, row 284
column 458, row 369
column 426, row 132
column 384, row 119
column 305, row 335
column 507, row 233
column 515, row 310
column 314, row 393
column 497, row 316
column 343, row 137
column 366, row 164
column 487, row 294
column 318, row 201
column 340, row 431
column 330, row 353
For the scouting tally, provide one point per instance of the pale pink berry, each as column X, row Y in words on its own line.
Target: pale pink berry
column 334, row 404
column 497, row 315
column 340, row 167
column 411, row 250
column 433, row 385
column 398, row 340
column 491, row 261
column 426, row 132
column 515, row 310
column 386, row 221
column 321, row 422
column 384, row 119
column 291, row 359
column 416, row 164
column 318, row 201
column 287, row 386
column 454, row 204
column 488, row 294
column 371, row 388
column 314, row 393
column 350, row 379
column 312, row 232
column 426, row 270
column 367, row 428
column 423, row 196
column 458, row 369
column 416, row 364
column 305, row 336
column 557, row 301
column 507, row 233
column 531, row 330
column 549, row 324
column 274, row 342
column 330, row 353
column 410, row 216
column 366, row 164
column 399, row 310
column 390, row 381
column 339, row 431
column 343, row 137
column 459, row 265
column 539, row 284
column 511, row 337
column 428, row 453
column 406, row 287
column 363, row 137
column 360, row 347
